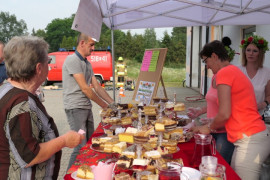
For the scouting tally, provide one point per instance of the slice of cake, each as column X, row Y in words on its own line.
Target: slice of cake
column 150, row 177
column 131, row 130
column 139, row 164
column 104, row 139
column 123, row 162
column 147, row 146
column 96, row 140
column 126, row 121
column 159, row 127
column 129, row 154
column 108, row 147
column 126, row 137
column 119, row 147
column 150, row 110
column 179, row 107
column 170, row 145
column 177, row 135
column 85, row 172
column 122, row 176
column 152, row 154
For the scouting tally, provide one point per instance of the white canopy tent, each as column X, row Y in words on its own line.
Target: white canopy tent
column 134, row 14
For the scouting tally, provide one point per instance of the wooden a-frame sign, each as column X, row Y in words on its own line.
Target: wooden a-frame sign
column 150, row 75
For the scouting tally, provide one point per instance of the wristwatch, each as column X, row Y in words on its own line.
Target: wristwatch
column 211, row 130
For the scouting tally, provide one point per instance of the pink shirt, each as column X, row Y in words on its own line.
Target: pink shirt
column 212, row 103
column 211, row 99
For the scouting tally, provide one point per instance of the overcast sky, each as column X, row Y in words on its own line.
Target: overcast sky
column 38, row 13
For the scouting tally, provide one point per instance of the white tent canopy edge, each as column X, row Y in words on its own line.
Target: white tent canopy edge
column 134, row 14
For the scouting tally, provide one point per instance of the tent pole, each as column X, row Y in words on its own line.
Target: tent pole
column 191, row 58
column 113, row 63
column 205, row 71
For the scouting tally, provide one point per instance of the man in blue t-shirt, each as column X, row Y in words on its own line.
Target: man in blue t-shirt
column 3, row 74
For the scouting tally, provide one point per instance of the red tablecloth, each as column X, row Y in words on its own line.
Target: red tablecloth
column 90, row 157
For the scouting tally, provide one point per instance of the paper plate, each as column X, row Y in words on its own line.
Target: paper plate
column 74, row 176
column 191, row 173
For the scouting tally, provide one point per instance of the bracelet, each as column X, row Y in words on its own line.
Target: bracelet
column 211, row 130
column 266, row 102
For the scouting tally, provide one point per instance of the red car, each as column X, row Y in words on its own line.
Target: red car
column 101, row 61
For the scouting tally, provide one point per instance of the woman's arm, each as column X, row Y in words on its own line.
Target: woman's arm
column 71, row 139
column 224, row 111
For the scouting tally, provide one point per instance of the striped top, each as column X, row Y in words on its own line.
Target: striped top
column 24, row 123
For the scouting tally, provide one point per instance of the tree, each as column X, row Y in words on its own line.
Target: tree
column 166, row 42
column 105, row 38
column 10, row 27
column 179, row 34
column 57, row 29
column 178, row 45
column 39, row 33
column 150, row 38
column 138, row 48
column 68, row 43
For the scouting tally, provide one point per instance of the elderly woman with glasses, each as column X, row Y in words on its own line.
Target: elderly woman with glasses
column 30, row 143
column 237, row 113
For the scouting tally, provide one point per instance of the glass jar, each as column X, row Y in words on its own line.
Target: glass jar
column 204, row 146
column 215, row 172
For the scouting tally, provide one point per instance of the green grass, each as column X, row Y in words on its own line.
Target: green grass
column 173, row 76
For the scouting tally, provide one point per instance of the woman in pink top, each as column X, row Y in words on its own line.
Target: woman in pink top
column 223, row 146
column 237, row 113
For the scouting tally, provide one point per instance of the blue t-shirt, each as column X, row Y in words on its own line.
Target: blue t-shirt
column 3, row 73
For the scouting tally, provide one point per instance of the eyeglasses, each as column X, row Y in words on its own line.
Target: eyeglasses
column 204, row 60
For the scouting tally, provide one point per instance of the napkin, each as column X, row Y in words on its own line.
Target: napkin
column 103, row 171
column 81, row 131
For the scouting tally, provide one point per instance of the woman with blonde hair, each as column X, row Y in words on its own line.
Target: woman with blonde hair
column 253, row 55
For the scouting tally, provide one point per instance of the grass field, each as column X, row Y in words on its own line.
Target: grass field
column 173, row 76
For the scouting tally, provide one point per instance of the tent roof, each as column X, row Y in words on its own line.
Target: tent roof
column 132, row 14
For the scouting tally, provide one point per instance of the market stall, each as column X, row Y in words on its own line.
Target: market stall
column 133, row 125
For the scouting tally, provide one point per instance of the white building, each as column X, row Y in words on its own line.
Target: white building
column 198, row 36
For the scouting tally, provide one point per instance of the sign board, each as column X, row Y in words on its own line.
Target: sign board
column 150, row 75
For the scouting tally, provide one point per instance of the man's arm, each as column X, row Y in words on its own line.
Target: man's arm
column 101, row 91
column 87, row 90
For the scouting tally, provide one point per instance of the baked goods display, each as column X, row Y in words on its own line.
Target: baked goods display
column 141, row 145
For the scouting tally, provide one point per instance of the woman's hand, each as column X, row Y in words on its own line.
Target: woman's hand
column 72, row 139
column 204, row 121
column 194, row 112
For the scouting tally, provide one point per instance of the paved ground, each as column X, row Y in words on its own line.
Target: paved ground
column 54, row 105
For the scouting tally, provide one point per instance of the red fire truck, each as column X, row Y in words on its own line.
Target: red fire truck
column 101, row 61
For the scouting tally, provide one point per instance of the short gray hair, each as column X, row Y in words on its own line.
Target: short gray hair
column 22, row 54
